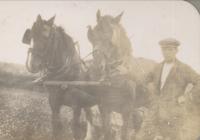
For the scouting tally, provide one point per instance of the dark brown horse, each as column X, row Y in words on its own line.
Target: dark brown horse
column 53, row 54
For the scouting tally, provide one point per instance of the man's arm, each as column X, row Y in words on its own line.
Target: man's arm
column 193, row 77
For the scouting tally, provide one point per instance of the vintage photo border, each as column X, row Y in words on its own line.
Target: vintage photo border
column 194, row 3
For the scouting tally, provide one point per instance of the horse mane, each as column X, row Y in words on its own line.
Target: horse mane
column 121, row 40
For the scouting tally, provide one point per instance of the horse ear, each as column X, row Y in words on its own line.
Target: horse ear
column 118, row 18
column 51, row 20
column 39, row 18
column 98, row 15
column 27, row 37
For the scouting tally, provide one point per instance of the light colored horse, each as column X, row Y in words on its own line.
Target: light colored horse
column 111, row 46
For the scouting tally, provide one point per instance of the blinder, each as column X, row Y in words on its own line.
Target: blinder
column 27, row 37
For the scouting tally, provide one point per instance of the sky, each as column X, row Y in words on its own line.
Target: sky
column 146, row 23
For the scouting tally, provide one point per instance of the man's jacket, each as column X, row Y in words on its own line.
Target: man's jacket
column 177, row 80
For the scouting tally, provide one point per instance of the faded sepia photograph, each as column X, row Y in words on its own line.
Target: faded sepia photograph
column 100, row 70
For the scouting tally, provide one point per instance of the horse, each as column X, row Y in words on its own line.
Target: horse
column 53, row 54
column 111, row 43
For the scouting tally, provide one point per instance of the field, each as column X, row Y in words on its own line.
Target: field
column 24, row 108
column 25, row 112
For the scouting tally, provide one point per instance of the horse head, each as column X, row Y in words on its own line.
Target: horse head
column 37, row 37
column 104, row 30
column 109, row 40
column 51, row 49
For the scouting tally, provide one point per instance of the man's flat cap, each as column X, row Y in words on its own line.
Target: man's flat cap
column 169, row 42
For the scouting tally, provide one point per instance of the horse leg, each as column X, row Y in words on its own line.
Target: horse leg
column 88, row 115
column 55, row 105
column 78, row 127
column 57, row 125
column 105, row 114
column 90, row 126
column 94, row 130
column 126, row 115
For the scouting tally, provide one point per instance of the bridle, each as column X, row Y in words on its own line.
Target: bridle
column 34, row 52
column 46, row 64
column 40, row 54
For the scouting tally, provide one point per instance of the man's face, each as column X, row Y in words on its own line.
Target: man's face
column 169, row 53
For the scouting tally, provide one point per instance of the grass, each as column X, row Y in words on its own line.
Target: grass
column 24, row 108
column 25, row 112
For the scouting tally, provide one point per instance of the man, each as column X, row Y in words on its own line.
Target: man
column 170, row 79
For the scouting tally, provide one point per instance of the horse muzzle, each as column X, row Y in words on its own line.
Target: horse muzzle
column 31, row 65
